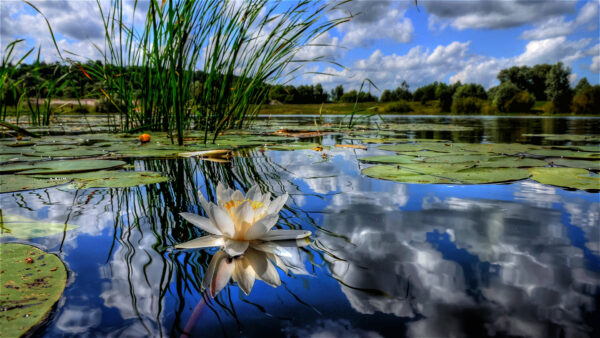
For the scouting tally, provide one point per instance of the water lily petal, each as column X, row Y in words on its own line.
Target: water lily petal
column 279, row 262
column 222, row 220
column 223, row 271
column 261, row 227
column 266, row 199
column 244, row 274
column 278, row 235
column 237, row 196
column 223, row 194
column 277, row 204
column 211, row 268
column 203, row 202
column 202, row 242
column 273, row 247
column 254, row 193
column 242, row 217
column 235, row 248
column 263, row 267
column 201, row 222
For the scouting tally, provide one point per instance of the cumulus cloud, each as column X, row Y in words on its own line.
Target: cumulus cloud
column 552, row 50
column 558, row 26
column 376, row 20
column 494, row 14
column 418, row 67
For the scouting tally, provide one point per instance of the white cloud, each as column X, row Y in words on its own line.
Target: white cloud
column 552, row 50
column 376, row 20
column 480, row 14
column 418, row 67
column 595, row 67
column 558, row 26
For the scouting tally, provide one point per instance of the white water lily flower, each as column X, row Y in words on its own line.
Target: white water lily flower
column 255, row 263
column 242, row 226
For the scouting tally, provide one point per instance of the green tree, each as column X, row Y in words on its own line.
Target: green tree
column 558, row 90
column 581, row 86
column 470, row 90
column 587, row 101
column 538, row 76
column 336, row 93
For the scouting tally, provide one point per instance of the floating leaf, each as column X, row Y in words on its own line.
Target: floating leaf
column 32, row 282
column 11, row 183
column 393, row 159
column 60, row 166
column 564, row 153
column 445, row 173
column 22, row 227
column 575, row 178
column 112, row 179
column 431, row 146
column 427, row 126
column 583, row 164
column 207, row 153
column 393, row 173
column 566, row 137
column 500, row 148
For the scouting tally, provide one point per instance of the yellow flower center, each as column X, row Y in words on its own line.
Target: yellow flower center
column 234, row 204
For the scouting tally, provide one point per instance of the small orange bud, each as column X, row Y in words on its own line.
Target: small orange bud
column 19, row 137
column 144, row 138
column 29, row 260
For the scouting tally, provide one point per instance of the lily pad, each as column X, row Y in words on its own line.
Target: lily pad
column 575, row 178
column 398, row 174
column 32, row 282
column 22, row 227
column 565, row 153
column 427, row 126
column 11, row 183
column 500, row 148
column 60, row 166
column 445, row 173
column 112, row 179
column 431, row 146
column 566, row 137
column 393, row 159
column 583, row 164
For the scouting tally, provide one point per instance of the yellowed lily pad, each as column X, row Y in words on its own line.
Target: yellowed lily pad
column 32, row 282
column 575, row 178
column 22, row 227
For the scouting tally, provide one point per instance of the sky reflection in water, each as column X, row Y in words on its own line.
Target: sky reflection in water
column 388, row 259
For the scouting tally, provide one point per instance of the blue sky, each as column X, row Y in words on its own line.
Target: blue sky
column 387, row 41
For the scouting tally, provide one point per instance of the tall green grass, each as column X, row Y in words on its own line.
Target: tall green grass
column 240, row 47
column 10, row 93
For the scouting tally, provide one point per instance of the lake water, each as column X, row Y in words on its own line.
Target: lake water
column 387, row 259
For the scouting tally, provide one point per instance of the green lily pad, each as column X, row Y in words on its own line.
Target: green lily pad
column 431, row 146
column 60, row 166
column 393, row 159
column 445, row 173
column 398, row 174
column 583, row 164
column 32, row 282
column 459, row 158
column 112, row 179
column 575, row 178
column 427, row 126
column 566, row 137
column 500, row 148
column 22, row 227
column 12, row 183
column 511, row 162
column 481, row 175
column 564, row 153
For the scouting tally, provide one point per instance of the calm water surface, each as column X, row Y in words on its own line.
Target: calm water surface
column 388, row 259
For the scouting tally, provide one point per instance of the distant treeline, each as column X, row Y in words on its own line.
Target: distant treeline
column 519, row 89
